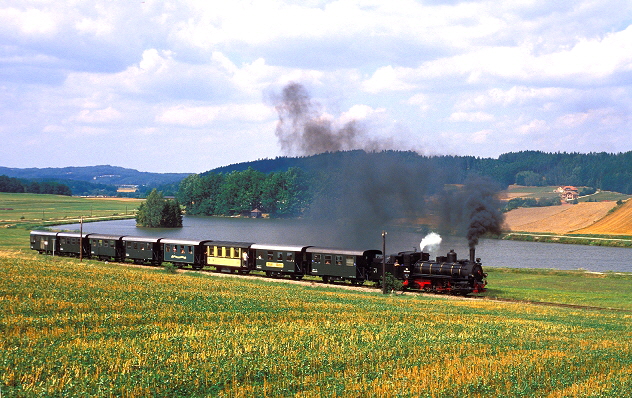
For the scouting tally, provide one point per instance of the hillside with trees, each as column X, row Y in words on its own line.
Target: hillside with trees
column 282, row 194
column 605, row 171
column 15, row 185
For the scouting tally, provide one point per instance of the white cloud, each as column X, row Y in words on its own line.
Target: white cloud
column 30, row 21
column 360, row 112
column 106, row 115
column 198, row 116
column 533, row 127
column 471, row 117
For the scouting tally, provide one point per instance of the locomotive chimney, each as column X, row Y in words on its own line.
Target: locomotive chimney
column 472, row 255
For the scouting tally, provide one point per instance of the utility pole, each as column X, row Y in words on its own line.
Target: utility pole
column 81, row 238
column 384, row 290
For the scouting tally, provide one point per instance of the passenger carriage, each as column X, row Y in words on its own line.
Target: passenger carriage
column 45, row 242
column 228, row 256
column 142, row 250
column 333, row 264
column 183, row 253
column 106, row 247
column 74, row 244
column 278, row 260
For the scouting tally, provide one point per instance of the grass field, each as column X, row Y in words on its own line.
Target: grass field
column 31, row 208
column 71, row 329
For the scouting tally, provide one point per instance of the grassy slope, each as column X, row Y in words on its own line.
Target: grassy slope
column 153, row 333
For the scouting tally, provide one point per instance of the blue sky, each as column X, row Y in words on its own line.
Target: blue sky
column 186, row 86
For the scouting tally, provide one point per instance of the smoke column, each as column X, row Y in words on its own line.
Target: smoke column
column 360, row 188
column 473, row 210
column 431, row 241
column 302, row 129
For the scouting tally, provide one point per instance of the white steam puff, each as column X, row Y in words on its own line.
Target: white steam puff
column 431, row 241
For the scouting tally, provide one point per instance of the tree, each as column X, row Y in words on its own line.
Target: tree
column 158, row 212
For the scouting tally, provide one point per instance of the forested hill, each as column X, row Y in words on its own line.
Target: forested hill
column 105, row 174
column 599, row 170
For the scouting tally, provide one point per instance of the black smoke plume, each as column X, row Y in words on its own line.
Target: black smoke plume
column 361, row 187
column 473, row 209
column 302, row 129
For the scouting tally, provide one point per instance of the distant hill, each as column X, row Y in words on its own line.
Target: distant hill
column 603, row 171
column 105, row 174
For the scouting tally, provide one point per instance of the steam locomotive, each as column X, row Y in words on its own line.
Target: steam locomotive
column 446, row 274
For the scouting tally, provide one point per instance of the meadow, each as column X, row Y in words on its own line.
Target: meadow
column 31, row 209
column 90, row 328
column 70, row 328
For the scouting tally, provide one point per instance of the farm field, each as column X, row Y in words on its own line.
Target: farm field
column 557, row 219
column 192, row 334
column 617, row 223
column 31, row 208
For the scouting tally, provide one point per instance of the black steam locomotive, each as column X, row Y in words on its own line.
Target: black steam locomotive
column 445, row 275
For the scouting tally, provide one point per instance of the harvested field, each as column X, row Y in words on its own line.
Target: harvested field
column 617, row 223
column 558, row 219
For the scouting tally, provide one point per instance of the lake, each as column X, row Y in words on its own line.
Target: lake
column 493, row 252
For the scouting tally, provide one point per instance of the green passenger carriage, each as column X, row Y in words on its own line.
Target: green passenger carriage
column 184, row 252
column 340, row 264
column 71, row 242
column 45, row 242
column 277, row 260
column 106, row 247
column 142, row 250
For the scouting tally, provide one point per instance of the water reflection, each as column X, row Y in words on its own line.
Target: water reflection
column 494, row 253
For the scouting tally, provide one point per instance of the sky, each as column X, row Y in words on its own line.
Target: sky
column 187, row 86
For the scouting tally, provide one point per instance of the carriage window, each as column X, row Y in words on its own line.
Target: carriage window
column 111, row 243
column 338, row 260
column 279, row 256
column 167, row 248
column 350, row 261
column 328, row 259
column 290, row 256
column 270, row 256
column 190, row 249
column 316, row 258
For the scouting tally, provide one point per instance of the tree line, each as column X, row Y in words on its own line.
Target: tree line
column 281, row 194
column 15, row 185
column 387, row 184
column 599, row 170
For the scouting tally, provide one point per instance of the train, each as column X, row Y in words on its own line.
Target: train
column 415, row 269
